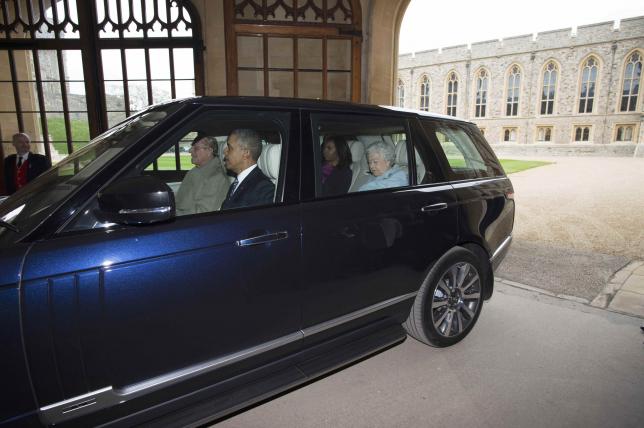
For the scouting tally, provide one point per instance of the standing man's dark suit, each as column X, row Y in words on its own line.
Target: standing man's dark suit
column 255, row 189
column 37, row 164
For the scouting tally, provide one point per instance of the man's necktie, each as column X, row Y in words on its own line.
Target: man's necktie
column 19, row 161
column 233, row 187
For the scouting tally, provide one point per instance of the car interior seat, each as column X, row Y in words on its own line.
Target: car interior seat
column 402, row 160
column 357, row 154
column 269, row 161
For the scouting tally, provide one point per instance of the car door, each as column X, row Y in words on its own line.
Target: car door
column 18, row 403
column 121, row 313
column 366, row 250
column 484, row 193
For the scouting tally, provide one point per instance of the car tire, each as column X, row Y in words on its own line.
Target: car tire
column 449, row 301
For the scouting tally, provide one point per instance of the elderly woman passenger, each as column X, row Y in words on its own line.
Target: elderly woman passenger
column 381, row 157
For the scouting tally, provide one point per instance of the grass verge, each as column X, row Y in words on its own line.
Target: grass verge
column 512, row 165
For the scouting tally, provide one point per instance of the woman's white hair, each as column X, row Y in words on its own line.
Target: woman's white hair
column 386, row 150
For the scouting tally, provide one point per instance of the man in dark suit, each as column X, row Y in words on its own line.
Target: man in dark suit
column 24, row 166
column 251, row 186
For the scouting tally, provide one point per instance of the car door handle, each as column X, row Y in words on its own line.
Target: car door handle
column 434, row 207
column 262, row 239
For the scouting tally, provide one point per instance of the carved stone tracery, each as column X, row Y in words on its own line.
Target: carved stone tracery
column 262, row 10
column 21, row 18
column 122, row 18
column 34, row 18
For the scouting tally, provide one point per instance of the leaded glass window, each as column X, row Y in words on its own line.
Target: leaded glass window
column 630, row 89
column 513, row 89
column 624, row 133
column 78, row 67
column 582, row 133
column 424, row 93
column 510, row 134
column 301, row 49
column 401, row 93
column 549, row 87
column 588, row 82
column 452, row 93
column 544, row 133
column 481, row 93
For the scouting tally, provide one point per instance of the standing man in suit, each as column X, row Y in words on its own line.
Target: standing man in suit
column 251, row 187
column 24, row 166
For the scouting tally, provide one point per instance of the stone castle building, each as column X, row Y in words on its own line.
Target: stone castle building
column 559, row 88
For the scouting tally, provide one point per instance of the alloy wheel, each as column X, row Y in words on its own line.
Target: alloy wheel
column 456, row 299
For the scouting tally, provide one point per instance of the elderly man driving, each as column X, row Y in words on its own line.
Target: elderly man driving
column 381, row 157
column 204, row 187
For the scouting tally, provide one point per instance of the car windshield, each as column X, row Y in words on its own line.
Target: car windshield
column 25, row 209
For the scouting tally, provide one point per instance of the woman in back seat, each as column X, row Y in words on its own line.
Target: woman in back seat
column 382, row 157
column 336, row 159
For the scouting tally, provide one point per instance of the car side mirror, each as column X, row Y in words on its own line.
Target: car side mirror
column 136, row 200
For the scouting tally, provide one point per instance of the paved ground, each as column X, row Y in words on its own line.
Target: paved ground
column 559, row 270
column 578, row 222
column 625, row 291
column 531, row 361
column 585, row 203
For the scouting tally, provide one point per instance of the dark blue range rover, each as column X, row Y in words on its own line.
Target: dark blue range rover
column 142, row 284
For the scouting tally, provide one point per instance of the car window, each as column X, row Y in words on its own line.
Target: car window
column 359, row 153
column 206, row 158
column 466, row 157
column 29, row 206
column 177, row 157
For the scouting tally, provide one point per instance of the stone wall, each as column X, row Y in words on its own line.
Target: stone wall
column 610, row 43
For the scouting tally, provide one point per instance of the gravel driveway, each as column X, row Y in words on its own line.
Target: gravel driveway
column 577, row 222
column 589, row 204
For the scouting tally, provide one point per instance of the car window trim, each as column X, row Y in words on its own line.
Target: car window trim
column 153, row 147
column 315, row 160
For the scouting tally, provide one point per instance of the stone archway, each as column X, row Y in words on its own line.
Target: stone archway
column 381, row 54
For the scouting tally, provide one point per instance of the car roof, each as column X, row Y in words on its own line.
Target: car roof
column 339, row 106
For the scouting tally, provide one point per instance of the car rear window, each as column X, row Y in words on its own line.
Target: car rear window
column 463, row 150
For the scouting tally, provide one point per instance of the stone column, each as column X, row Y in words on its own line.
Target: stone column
column 382, row 56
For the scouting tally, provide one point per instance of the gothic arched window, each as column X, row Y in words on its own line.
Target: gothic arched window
column 588, row 82
column 582, row 133
column 631, row 85
column 424, row 94
column 481, row 93
column 548, row 88
column 510, row 134
column 452, row 93
column 513, row 89
column 624, row 133
column 401, row 93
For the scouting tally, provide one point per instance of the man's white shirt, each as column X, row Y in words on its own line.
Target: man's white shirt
column 242, row 175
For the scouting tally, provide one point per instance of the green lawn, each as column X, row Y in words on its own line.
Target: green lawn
column 169, row 163
column 80, row 132
column 511, row 165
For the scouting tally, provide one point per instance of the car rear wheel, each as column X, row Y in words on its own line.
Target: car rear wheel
column 449, row 301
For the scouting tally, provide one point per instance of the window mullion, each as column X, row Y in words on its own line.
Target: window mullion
column 63, row 94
